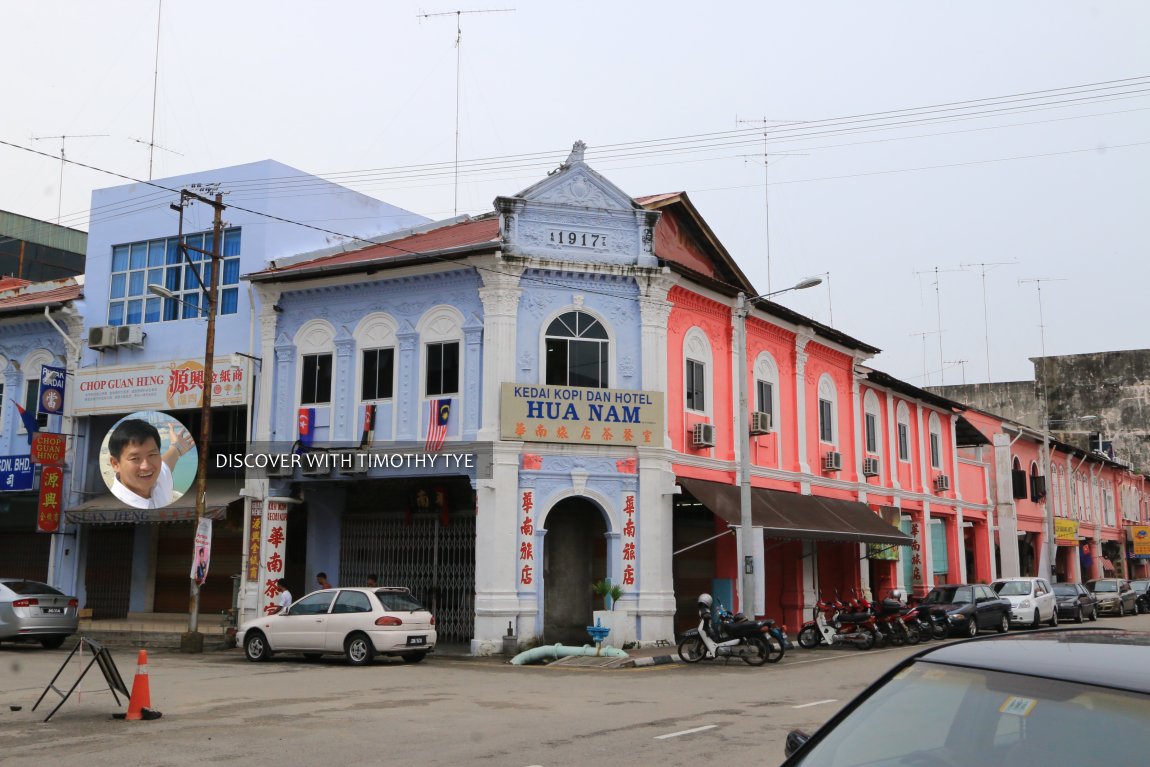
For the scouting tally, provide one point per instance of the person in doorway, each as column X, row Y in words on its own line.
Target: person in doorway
column 283, row 598
column 372, row 581
column 143, row 474
column 321, row 579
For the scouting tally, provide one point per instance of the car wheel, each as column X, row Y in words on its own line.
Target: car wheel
column 1094, row 613
column 1054, row 618
column 1004, row 626
column 692, row 649
column 358, row 650
column 1037, row 620
column 256, row 647
column 1121, row 609
column 972, row 627
column 414, row 657
column 52, row 643
column 1078, row 615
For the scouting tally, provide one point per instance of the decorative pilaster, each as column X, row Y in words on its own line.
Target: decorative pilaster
column 654, row 312
column 344, row 389
column 407, row 399
column 500, row 295
column 801, row 340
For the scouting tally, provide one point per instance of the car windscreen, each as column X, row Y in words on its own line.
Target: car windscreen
column 398, row 601
column 1012, row 588
column 1065, row 590
column 26, row 588
column 932, row 714
column 1139, row 585
column 951, row 595
column 1103, row 586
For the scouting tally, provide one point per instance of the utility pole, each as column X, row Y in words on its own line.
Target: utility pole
column 982, row 266
column 938, row 310
column 764, row 122
column 60, row 191
column 458, row 53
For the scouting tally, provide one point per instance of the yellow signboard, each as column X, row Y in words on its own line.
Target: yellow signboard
column 1139, row 537
column 1066, row 531
column 581, row 416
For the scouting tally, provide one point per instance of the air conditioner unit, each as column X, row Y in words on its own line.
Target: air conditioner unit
column 319, row 466
column 351, row 463
column 870, row 467
column 942, row 483
column 703, row 435
column 833, row 461
column 279, row 469
column 102, row 337
column 760, row 423
column 129, row 335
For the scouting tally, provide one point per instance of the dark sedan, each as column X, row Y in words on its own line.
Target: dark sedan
column 1142, row 589
column 970, row 607
column 1076, row 602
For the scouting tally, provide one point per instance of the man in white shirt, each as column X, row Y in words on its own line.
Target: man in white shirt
column 283, row 601
column 143, row 475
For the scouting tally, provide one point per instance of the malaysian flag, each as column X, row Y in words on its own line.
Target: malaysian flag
column 438, row 412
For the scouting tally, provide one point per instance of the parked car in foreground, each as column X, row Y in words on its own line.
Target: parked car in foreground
column 1069, row 697
column 970, row 607
column 1076, row 602
column 1031, row 600
column 1115, row 597
column 358, row 623
column 1142, row 589
column 31, row 611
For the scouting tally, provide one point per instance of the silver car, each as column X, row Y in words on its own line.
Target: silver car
column 31, row 611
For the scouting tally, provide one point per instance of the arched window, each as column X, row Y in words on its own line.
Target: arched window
column 872, row 417
column 441, row 333
column 902, row 417
column 576, row 351
column 376, row 338
column 935, row 441
column 314, row 343
column 767, row 388
column 697, row 368
column 828, row 415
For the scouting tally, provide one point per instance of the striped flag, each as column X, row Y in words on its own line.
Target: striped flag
column 438, row 412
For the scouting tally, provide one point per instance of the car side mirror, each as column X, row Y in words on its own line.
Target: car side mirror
column 796, row 739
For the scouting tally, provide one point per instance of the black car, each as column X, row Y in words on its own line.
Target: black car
column 1068, row 697
column 971, row 607
column 1142, row 589
column 1076, row 602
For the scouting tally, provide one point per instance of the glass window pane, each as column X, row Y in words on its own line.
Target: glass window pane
column 139, row 256
column 556, row 362
column 191, row 277
column 191, row 304
column 135, row 283
column 584, row 364
column 434, row 383
column 152, row 310
column 589, row 327
column 119, row 258
column 370, row 374
column 171, row 309
column 135, row 312
column 155, row 276
column 323, row 379
column 156, row 253
column 231, row 271
column 173, row 251
column 206, row 274
column 386, row 369
column 119, row 282
column 172, row 280
column 116, row 313
column 232, row 242
column 229, row 301
column 208, row 240
column 194, row 241
column 450, row 368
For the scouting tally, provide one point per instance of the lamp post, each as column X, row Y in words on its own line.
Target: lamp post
column 193, row 641
column 746, row 528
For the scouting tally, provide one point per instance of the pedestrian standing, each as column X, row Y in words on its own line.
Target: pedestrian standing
column 321, row 579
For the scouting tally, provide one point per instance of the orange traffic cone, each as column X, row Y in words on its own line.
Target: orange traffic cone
column 141, row 697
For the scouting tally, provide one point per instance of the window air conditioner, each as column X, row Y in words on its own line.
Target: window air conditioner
column 870, row 467
column 279, row 469
column 351, row 463
column 833, row 461
column 760, row 423
column 102, row 337
column 703, row 435
column 129, row 335
column 942, row 483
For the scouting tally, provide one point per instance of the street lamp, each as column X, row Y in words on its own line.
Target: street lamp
column 193, row 640
column 746, row 528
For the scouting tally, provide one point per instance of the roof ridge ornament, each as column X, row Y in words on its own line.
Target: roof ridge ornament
column 577, row 150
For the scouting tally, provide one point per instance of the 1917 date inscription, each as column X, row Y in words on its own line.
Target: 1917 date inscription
column 578, row 239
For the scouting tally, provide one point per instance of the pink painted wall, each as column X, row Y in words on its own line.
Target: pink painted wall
column 714, row 319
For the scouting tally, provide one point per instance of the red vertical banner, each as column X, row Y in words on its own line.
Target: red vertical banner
column 51, row 499
column 272, row 567
column 526, row 555
column 630, row 548
column 255, row 537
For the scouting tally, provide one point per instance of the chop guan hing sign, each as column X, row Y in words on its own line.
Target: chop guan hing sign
column 156, row 386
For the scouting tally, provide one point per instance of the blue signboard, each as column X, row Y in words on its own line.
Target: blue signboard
column 51, row 390
column 16, row 472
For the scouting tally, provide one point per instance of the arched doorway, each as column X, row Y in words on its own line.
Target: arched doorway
column 574, row 557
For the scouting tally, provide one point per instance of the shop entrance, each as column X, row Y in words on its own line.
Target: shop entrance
column 108, row 573
column 574, row 557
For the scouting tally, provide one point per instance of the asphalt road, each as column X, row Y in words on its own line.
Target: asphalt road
column 218, row 707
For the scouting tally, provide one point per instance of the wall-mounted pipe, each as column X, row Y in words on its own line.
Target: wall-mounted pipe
column 556, row 651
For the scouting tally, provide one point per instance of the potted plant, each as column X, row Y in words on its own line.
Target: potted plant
column 619, row 623
column 610, row 592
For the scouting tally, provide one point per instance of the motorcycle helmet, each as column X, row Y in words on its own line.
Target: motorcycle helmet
column 899, row 594
column 705, row 601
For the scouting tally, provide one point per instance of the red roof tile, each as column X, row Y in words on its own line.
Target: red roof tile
column 24, row 299
column 10, row 283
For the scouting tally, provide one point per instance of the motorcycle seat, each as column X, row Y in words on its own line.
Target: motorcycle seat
column 854, row 617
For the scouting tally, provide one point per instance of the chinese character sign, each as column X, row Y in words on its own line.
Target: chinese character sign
column 916, row 554
column 630, row 550
column 255, row 538
column 274, row 534
column 51, row 496
column 526, row 554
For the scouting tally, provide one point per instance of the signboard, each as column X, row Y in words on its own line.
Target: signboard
column 16, row 473
column 203, row 552
column 254, row 539
column 275, row 546
column 581, row 416
column 892, row 516
column 1139, row 538
column 172, row 385
column 51, row 400
column 48, row 448
column 51, row 498
column 1065, row 532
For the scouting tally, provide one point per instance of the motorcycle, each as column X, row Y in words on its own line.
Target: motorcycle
column 935, row 622
column 756, row 642
column 833, row 625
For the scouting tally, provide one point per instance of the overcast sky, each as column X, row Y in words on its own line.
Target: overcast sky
column 1050, row 182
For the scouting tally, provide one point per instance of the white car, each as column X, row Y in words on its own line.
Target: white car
column 1032, row 600
column 357, row 623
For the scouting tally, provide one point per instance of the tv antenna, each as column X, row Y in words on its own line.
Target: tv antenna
column 962, row 365
column 458, row 52
column 983, row 268
column 151, row 142
column 1042, row 341
column 764, row 122
column 60, row 191
column 925, row 371
column 936, row 271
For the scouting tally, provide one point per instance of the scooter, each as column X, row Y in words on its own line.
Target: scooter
column 753, row 641
column 834, row 626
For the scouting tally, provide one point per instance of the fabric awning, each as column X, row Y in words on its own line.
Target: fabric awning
column 795, row 516
column 107, row 509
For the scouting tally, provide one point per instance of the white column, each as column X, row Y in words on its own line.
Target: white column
column 1004, row 509
column 801, row 341
column 926, row 551
column 960, row 534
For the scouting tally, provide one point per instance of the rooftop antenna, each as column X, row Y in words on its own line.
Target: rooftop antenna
column 151, row 145
column 962, row 365
column 925, row 372
column 151, row 142
column 60, row 191
column 764, row 122
column 938, row 310
column 458, row 51
column 983, row 269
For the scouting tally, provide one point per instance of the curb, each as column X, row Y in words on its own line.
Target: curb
column 654, row 660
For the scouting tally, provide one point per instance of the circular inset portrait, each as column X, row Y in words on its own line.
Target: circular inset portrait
column 148, row 460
